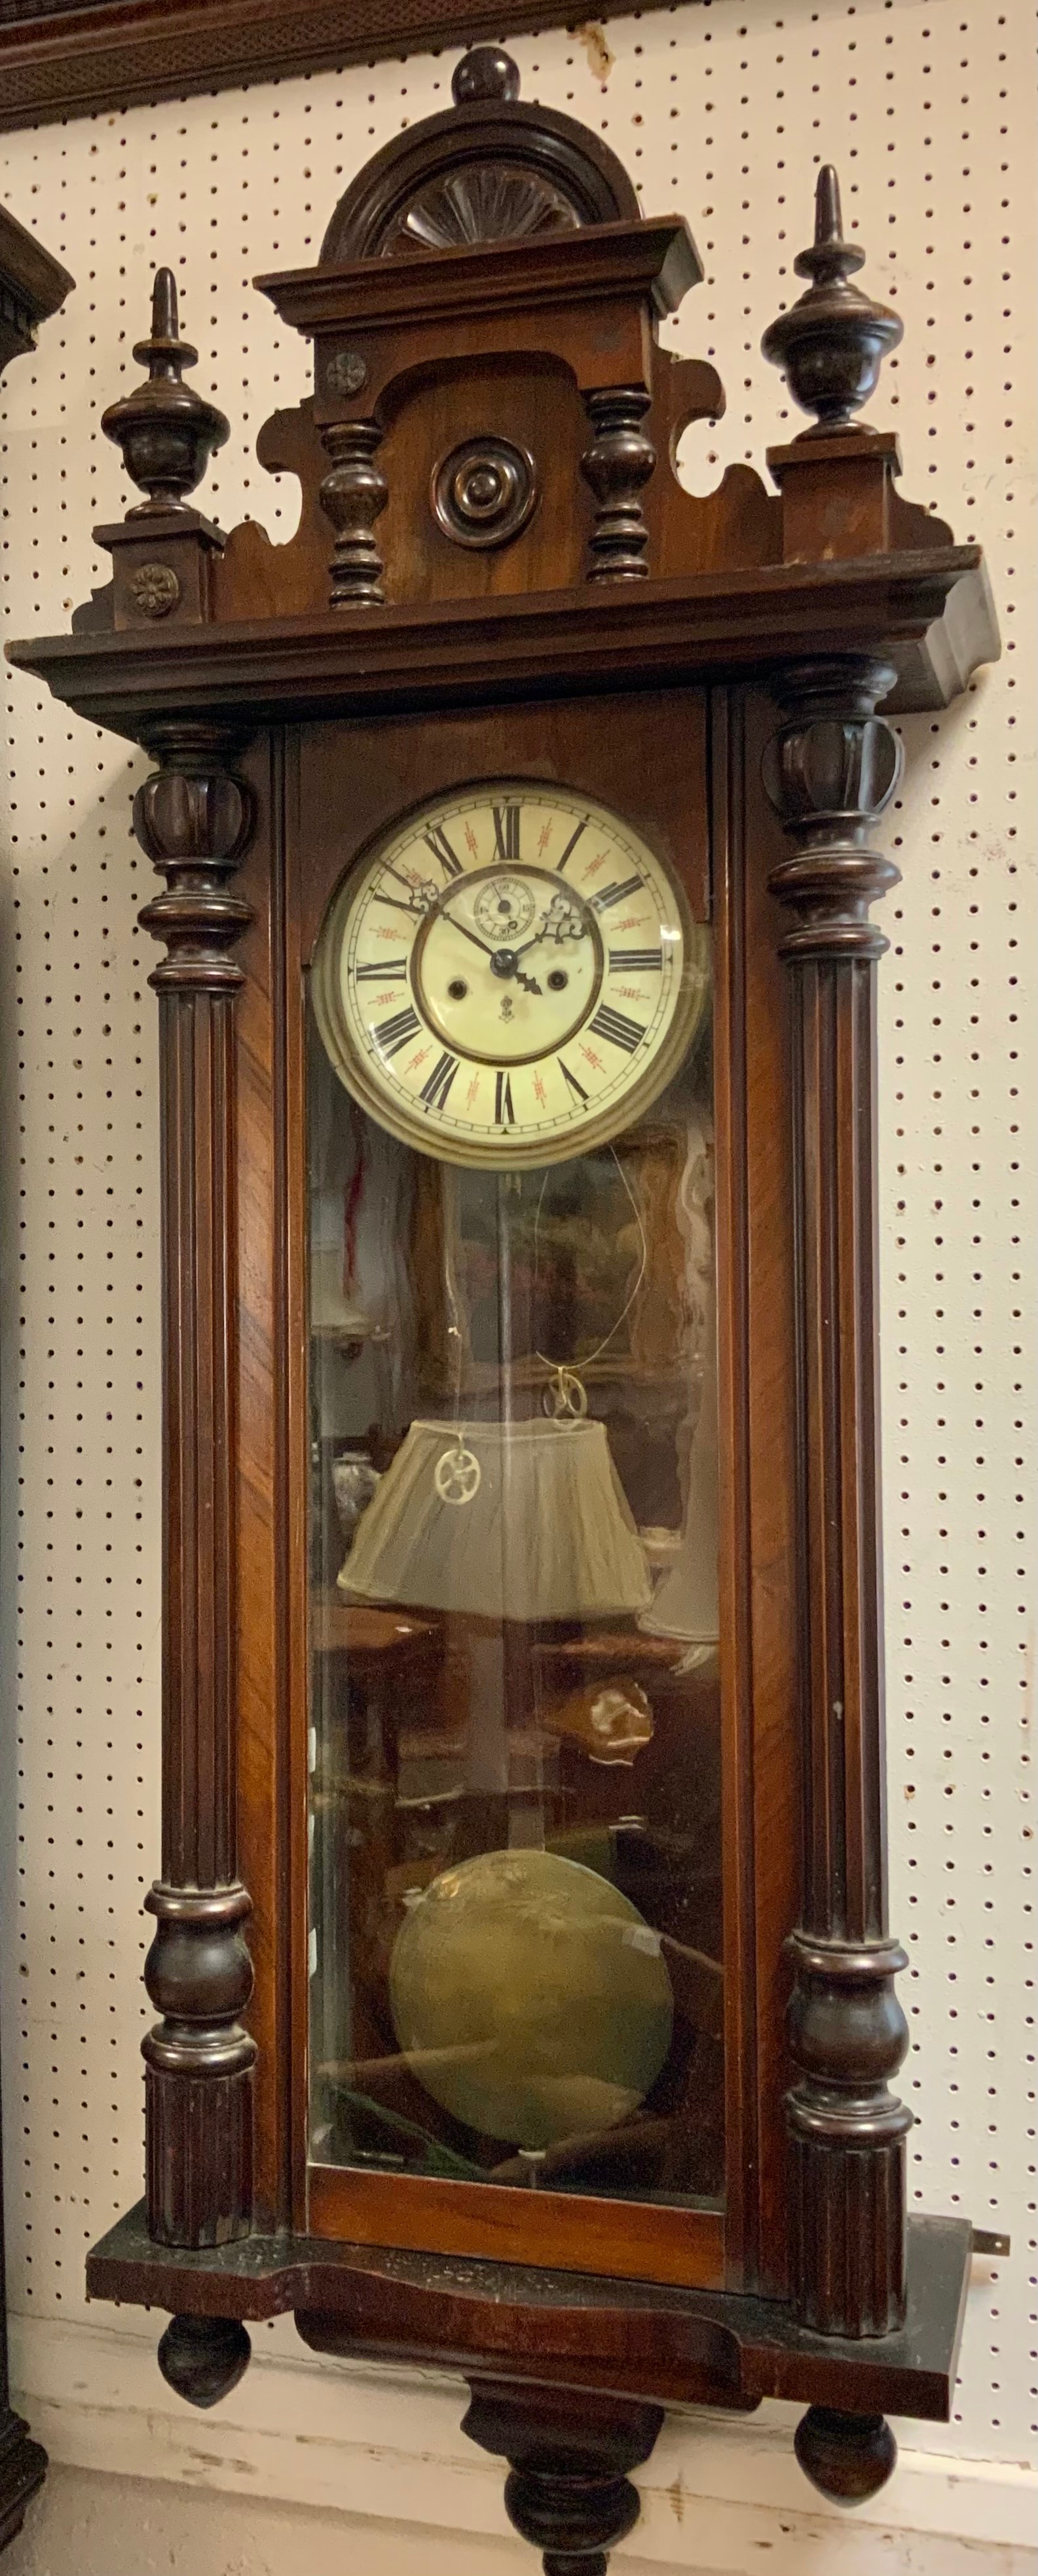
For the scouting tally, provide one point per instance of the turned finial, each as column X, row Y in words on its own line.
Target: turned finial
column 485, row 74
column 832, row 342
column 166, row 431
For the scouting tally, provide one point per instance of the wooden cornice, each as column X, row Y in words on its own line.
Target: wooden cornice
column 65, row 60
column 32, row 285
column 657, row 259
column 931, row 613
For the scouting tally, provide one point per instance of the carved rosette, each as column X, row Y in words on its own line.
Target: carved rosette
column 829, row 772
column 353, row 496
column 192, row 817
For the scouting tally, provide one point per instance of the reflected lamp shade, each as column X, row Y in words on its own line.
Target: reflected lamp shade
column 685, row 1603
column 546, row 1534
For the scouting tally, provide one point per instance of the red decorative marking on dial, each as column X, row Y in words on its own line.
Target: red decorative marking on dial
column 472, row 1090
column 416, row 1060
column 387, row 997
column 590, row 1057
column 592, row 871
column 538, row 1089
column 471, row 842
column 387, row 934
column 544, row 839
column 628, row 993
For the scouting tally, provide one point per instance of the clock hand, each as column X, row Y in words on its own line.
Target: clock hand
column 466, row 933
column 505, row 961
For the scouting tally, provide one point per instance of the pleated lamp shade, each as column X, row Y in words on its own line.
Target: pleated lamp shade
column 548, row 1533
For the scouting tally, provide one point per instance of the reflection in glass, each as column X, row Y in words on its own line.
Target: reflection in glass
column 516, row 1870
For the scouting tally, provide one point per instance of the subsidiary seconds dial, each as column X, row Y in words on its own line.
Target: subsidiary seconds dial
column 510, row 977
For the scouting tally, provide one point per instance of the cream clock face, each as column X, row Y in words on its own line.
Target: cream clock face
column 510, row 977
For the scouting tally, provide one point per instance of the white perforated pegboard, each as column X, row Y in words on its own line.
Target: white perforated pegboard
column 724, row 110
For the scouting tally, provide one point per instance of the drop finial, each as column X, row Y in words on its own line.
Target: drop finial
column 166, row 431
column 832, row 342
column 486, row 76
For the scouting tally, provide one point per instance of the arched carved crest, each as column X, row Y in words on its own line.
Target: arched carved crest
column 487, row 170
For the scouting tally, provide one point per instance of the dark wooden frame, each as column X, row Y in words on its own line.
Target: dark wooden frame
column 33, row 285
column 67, row 60
column 804, row 620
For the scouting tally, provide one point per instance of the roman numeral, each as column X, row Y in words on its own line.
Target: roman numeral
column 441, row 850
column 386, row 970
column 617, row 893
column 619, row 1030
column 392, row 1034
column 576, row 1087
column 506, row 832
column 434, row 1092
column 504, row 1114
column 635, row 961
column 570, row 846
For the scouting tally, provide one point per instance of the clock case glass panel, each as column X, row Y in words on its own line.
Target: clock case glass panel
column 515, row 1875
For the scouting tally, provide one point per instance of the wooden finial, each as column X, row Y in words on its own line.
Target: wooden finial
column 166, row 431
column 833, row 341
column 485, row 74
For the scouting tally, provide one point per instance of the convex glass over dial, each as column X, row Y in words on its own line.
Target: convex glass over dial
column 510, row 977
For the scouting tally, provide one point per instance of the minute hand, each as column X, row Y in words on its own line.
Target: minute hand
column 466, row 933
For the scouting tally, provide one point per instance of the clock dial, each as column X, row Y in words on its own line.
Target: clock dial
column 510, row 978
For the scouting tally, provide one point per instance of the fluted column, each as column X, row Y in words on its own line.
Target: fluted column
column 192, row 819
column 829, row 771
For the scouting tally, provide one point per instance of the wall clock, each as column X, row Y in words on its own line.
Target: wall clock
column 526, row 1996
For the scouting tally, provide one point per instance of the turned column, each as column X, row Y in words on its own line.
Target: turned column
column 353, row 496
column 829, row 771
column 192, row 818
column 617, row 465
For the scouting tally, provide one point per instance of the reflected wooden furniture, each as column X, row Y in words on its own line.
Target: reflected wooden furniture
column 722, row 671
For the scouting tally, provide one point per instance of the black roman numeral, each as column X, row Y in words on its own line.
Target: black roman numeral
column 570, row 846
column 576, row 1087
column 506, row 832
column 617, row 893
column 441, row 850
column 635, row 961
column 385, row 970
column 504, row 1113
column 434, row 1092
column 619, row 1030
column 390, row 1035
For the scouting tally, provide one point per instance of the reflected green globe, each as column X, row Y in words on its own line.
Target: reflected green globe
column 530, row 1998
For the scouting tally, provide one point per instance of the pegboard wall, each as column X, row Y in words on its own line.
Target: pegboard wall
column 723, row 110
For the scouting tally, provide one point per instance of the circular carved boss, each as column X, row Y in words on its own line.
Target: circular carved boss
column 154, row 589
column 484, row 492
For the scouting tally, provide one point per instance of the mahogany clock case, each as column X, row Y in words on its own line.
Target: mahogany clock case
column 663, row 761
column 721, row 672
